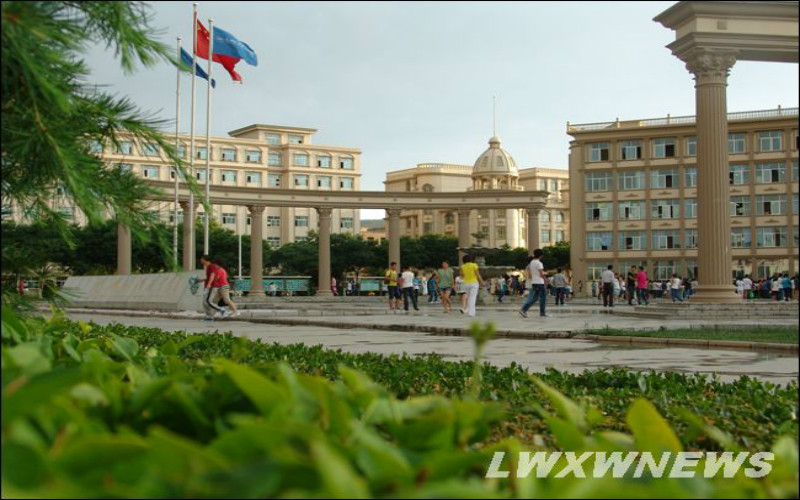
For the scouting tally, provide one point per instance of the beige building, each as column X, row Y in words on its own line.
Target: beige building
column 495, row 168
column 253, row 156
column 633, row 188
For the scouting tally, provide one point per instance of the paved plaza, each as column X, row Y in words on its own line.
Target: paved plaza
column 398, row 335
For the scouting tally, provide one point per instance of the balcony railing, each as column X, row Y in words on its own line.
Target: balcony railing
column 764, row 114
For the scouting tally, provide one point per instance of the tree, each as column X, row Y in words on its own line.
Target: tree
column 556, row 256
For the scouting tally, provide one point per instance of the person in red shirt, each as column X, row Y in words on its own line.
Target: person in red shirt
column 216, row 287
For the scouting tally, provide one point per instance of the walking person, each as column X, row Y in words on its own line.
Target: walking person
column 776, row 288
column 675, row 288
column 216, row 286
column 444, row 278
column 786, row 284
column 390, row 278
column 471, row 277
column 607, row 279
column 461, row 292
column 631, row 282
column 409, row 292
column 433, row 290
column 535, row 272
column 501, row 283
column 747, row 286
column 560, row 283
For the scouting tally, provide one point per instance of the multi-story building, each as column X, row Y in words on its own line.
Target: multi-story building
column 267, row 156
column 494, row 169
column 634, row 196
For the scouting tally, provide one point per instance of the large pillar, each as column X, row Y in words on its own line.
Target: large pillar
column 123, row 249
column 710, row 69
column 463, row 230
column 533, row 228
column 324, row 250
column 256, row 249
column 188, row 236
column 394, row 235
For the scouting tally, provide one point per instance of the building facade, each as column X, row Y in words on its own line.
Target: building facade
column 494, row 169
column 633, row 187
column 254, row 156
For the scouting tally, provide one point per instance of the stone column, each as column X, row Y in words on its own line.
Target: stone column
column 324, row 250
column 188, row 240
column 256, row 249
column 123, row 249
column 393, row 217
column 533, row 228
column 710, row 69
column 463, row 230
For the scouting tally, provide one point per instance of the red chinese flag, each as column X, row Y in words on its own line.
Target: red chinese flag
column 227, row 62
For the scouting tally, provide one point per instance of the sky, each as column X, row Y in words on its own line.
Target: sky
column 413, row 82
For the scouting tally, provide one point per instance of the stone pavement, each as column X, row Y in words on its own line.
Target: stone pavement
column 572, row 355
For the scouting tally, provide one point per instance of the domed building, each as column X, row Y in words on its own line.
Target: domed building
column 494, row 169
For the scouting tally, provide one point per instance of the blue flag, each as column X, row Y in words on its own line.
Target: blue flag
column 228, row 45
column 186, row 58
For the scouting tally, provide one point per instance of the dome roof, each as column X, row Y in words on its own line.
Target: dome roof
column 495, row 161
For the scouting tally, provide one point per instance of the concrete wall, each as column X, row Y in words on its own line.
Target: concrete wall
column 164, row 292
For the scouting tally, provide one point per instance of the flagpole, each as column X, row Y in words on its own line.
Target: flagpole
column 206, row 222
column 191, row 250
column 177, row 147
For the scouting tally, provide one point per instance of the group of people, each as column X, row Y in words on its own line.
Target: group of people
column 216, row 289
column 776, row 287
column 634, row 285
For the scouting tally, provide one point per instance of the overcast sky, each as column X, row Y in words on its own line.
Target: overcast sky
column 412, row 82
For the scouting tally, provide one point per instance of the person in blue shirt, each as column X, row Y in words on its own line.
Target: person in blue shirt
column 433, row 289
column 786, row 284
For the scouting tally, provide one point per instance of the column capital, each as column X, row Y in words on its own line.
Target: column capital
column 184, row 205
column 464, row 212
column 393, row 212
column 712, row 64
column 324, row 212
column 533, row 211
column 256, row 209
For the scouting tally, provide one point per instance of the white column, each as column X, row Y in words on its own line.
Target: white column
column 324, row 251
column 123, row 250
column 393, row 216
column 256, row 249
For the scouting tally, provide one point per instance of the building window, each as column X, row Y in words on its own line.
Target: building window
column 772, row 237
column 324, row 182
column 666, row 239
column 301, row 180
column 254, row 177
column 597, row 241
column 273, row 221
column 740, row 206
column 228, row 218
column 559, row 216
column 739, row 174
column 630, row 150
column 324, row 161
column 690, row 208
column 201, row 175
column 346, row 163
column 691, row 146
column 150, row 171
column 253, row 156
column 201, row 153
column 599, row 211
column 770, row 141
column 741, row 237
column 690, row 177
column 795, row 204
column 295, row 139
column 273, row 139
column 544, row 237
column 124, row 167
column 346, row 223
column 274, row 160
column 664, row 147
column 300, row 239
column 301, row 221
column 795, row 172
column 182, row 151
column 543, row 216
column 598, row 151
column 427, row 188
column 273, row 180
column 664, row 269
column 449, row 218
column 770, row 173
column 501, row 232
column 629, row 181
column 737, row 143
column 632, row 210
column 301, row 160
column 554, row 186
column 346, row 183
column 228, row 176
column 150, row 149
column 125, row 148
column 690, row 238
column 664, row 178
column 633, row 240
column 542, row 185
column 275, row 241
column 594, row 270
column 598, row 181
column 665, row 209
column 559, row 236
column 95, row 147
column 227, row 154
column 773, row 204
column 68, row 212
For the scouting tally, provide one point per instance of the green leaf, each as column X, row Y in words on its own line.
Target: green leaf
column 22, row 465
column 12, row 326
column 23, row 396
column 563, row 405
column 380, row 460
column 266, row 395
column 651, row 431
column 338, row 477
column 28, row 358
column 127, row 348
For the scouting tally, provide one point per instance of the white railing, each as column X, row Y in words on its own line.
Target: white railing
column 763, row 114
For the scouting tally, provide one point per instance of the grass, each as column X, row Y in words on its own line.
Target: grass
column 776, row 334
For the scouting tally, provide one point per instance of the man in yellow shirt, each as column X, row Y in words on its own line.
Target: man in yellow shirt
column 472, row 280
column 390, row 279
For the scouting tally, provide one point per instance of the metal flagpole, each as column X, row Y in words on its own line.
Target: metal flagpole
column 177, row 146
column 191, row 139
column 206, row 222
